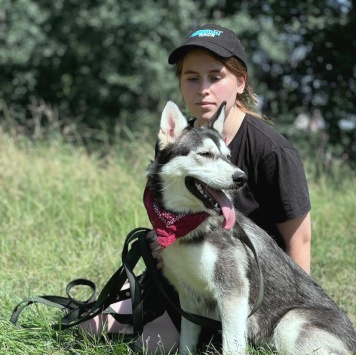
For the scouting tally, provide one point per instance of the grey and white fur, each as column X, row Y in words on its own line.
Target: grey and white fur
column 215, row 273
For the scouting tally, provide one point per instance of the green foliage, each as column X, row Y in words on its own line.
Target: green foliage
column 303, row 60
column 102, row 63
column 98, row 61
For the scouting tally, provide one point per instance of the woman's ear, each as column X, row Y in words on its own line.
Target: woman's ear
column 241, row 83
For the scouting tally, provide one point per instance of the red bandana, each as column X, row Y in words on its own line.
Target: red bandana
column 170, row 226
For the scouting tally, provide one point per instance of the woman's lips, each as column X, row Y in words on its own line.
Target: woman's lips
column 205, row 104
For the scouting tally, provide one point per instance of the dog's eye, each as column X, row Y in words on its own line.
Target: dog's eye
column 228, row 157
column 206, row 154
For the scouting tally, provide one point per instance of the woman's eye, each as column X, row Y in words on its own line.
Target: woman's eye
column 215, row 78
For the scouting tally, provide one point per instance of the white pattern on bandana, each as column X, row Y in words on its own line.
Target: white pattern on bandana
column 166, row 217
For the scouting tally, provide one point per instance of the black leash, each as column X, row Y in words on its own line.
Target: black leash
column 135, row 247
column 79, row 311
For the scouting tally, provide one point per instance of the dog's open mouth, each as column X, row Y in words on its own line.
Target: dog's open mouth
column 213, row 199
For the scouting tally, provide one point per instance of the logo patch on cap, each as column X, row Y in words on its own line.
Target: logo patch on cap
column 207, row 33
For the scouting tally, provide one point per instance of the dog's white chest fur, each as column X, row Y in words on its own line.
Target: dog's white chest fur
column 191, row 266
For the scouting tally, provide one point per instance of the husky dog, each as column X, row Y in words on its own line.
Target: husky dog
column 214, row 272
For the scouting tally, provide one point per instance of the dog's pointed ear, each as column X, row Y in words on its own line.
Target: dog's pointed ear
column 172, row 124
column 217, row 122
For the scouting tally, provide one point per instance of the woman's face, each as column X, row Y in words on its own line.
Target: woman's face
column 205, row 83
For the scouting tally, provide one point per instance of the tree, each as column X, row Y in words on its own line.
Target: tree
column 102, row 62
column 303, row 58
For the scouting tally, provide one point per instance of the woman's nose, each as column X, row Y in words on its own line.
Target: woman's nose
column 204, row 87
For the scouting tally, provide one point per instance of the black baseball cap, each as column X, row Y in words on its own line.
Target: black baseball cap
column 215, row 38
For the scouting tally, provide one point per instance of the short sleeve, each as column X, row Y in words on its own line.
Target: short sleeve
column 283, row 185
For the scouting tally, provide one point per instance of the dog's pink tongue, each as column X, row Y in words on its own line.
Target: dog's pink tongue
column 226, row 206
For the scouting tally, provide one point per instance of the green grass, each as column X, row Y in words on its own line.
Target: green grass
column 64, row 215
column 334, row 239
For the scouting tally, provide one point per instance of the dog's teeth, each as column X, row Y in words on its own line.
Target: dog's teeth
column 200, row 188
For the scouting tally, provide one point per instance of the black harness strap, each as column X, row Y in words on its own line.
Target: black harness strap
column 157, row 279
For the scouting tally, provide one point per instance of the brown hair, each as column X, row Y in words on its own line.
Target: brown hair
column 247, row 101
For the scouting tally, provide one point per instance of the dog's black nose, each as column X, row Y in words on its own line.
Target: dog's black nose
column 239, row 178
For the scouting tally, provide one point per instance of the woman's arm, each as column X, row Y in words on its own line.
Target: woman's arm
column 297, row 238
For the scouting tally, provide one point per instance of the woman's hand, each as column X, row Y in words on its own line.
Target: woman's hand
column 156, row 249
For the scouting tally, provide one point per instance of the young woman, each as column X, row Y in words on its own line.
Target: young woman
column 211, row 68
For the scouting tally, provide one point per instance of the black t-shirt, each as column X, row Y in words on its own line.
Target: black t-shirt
column 276, row 190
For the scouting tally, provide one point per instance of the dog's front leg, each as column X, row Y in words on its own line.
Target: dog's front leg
column 189, row 336
column 234, row 314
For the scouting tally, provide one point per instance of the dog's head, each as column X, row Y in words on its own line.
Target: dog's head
column 192, row 171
